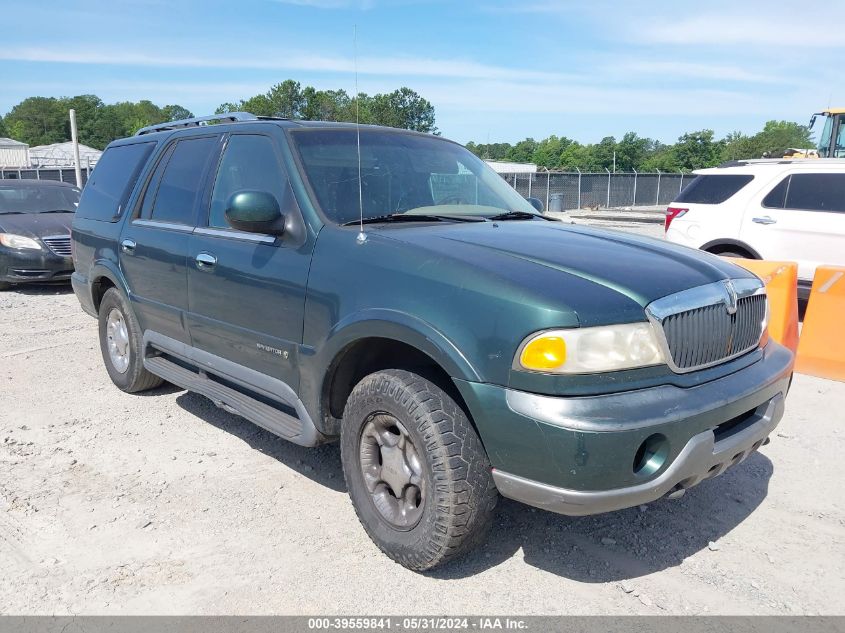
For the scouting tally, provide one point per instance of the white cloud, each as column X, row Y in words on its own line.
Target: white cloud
column 331, row 4
column 282, row 60
column 681, row 69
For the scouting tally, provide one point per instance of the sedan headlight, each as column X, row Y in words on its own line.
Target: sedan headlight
column 590, row 350
column 18, row 241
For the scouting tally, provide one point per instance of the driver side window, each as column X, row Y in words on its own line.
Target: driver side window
column 249, row 164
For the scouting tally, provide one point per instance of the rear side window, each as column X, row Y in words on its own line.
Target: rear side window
column 176, row 196
column 107, row 191
column 713, row 189
column 776, row 197
column 816, row 192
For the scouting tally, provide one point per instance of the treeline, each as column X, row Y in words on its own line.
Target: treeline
column 402, row 108
column 44, row 120
column 693, row 150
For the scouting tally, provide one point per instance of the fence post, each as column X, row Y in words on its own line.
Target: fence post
column 657, row 199
column 681, row 186
column 530, row 178
column 607, row 206
column 548, row 186
column 579, row 188
column 61, row 176
column 635, row 188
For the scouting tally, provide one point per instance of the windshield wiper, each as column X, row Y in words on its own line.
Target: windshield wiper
column 55, row 211
column 412, row 217
column 514, row 215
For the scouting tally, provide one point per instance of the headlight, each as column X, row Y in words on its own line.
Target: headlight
column 18, row 241
column 590, row 350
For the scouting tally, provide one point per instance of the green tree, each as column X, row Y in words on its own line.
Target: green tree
column 695, row 150
column 3, row 132
column 778, row 136
column 523, row 152
column 632, row 151
column 402, row 108
column 37, row 121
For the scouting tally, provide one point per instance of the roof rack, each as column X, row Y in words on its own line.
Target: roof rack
column 197, row 121
column 781, row 161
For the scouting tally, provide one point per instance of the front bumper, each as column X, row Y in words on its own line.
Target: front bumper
column 28, row 265
column 584, row 455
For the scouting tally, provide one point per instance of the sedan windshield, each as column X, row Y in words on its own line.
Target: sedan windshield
column 401, row 173
column 37, row 199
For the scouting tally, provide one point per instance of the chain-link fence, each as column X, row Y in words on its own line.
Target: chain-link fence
column 61, row 174
column 561, row 191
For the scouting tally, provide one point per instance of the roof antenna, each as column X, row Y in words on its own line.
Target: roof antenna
column 362, row 237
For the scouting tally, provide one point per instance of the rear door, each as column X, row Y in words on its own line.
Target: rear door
column 154, row 243
column 247, row 290
column 802, row 219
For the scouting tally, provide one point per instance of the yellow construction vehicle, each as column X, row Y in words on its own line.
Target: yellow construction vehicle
column 832, row 139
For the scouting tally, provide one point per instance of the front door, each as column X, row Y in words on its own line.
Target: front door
column 153, row 245
column 247, row 290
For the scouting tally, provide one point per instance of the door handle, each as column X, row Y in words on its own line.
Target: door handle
column 764, row 220
column 128, row 246
column 205, row 261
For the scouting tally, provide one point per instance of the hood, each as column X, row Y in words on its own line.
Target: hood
column 36, row 224
column 640, row 268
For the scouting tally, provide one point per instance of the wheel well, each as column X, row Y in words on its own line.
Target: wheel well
column 717, row 248
column 98, row 289
column 369, row 355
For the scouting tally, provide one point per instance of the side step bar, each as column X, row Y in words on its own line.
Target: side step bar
column 272, row 419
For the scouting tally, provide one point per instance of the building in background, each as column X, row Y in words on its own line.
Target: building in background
column 502, row 167
column 13, row 153
column 61, row 155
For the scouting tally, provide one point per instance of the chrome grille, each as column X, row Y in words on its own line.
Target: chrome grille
column 59, row 244
column 700, row 328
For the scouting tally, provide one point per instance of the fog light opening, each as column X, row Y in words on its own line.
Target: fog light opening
column 651, row 455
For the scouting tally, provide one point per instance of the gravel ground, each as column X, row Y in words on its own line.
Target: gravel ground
column 161, row 503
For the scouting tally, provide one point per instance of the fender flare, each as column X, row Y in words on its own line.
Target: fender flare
column 402, row 327
column 109, row 270
column 730, row 242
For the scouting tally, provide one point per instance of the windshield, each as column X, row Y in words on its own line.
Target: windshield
column 37, row 199
column 400, row 173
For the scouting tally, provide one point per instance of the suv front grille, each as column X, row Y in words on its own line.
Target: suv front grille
column 60, row 244
column 711, row 324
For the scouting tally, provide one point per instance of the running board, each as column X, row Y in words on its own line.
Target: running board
column 267, row 417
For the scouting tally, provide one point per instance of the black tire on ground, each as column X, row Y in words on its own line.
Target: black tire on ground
column 134, row 378
column 456, row 494
column 736, row 254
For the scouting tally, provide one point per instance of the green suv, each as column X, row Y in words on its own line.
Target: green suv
column 387, row 289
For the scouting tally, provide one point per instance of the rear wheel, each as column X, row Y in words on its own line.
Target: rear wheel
column 121, row 344
column 417, row 474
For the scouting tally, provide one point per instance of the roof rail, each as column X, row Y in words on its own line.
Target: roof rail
column 196, row 122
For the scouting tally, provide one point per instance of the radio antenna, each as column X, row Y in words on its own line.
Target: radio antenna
column 362, row 237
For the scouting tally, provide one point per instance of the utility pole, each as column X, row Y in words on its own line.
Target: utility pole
column 75, row 140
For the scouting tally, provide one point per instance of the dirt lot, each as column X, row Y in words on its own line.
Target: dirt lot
column 161, row 503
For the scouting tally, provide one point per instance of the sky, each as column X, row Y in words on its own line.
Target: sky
column 495, row 71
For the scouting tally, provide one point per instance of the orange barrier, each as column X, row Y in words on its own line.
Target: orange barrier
column 781, row 279
column 822, row 348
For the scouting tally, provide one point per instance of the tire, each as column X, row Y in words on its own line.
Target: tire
column 130, row 377
column 451, row 510
column 733, row 254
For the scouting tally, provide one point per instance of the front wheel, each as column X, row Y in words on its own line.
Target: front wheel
column 416, row 471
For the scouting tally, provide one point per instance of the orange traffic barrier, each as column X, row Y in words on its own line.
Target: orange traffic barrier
column 822, row 348
column 781, row 279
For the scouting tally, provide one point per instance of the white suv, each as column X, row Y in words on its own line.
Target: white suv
column 790, row 210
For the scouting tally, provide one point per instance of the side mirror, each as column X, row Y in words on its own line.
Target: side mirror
column 536, row 203
column 255, row 212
